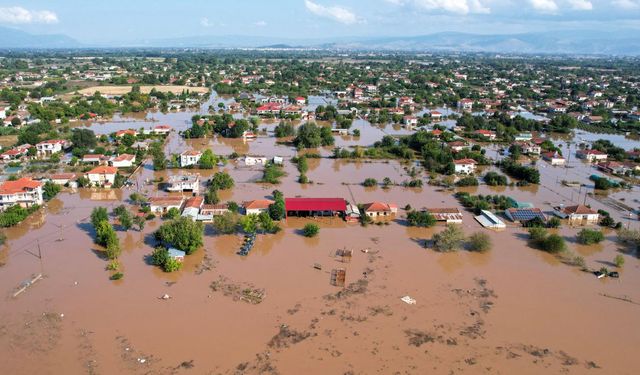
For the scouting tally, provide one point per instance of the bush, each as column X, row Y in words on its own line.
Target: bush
column 554, row 222
column 272, row 174
column 607, row 221
column 284, row 130
column 14, row 215
column 467, row 181
column 448, row 240
column 311, row 230
column 117, row 276
column 495, row 179
column 370, row 182
column 590, row 236
column 554, row 244
column 480, row 242
column 160, row 257
column 421, row 219
column 537, row 234
column 618, row 261
column 227, row 223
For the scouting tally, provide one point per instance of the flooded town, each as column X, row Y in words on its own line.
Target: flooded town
column 276, row 211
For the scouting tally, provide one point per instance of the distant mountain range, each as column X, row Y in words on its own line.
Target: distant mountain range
column 12, row 38
column 556, row 42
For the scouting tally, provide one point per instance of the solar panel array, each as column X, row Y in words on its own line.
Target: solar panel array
column 526, row 215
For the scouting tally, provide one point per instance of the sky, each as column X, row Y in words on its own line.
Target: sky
column 130, row 20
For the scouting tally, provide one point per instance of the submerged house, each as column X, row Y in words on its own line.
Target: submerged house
column 448, row 215
column 488, row 220
column 160, row 205
column 304, row 207
column 24, row 192
column 380, row 209
column 181, row 183
column 523, row 215
column 580, row 215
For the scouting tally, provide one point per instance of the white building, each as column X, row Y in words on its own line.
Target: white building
column 465, row 166
column 102, row 176
column 190, row 157
column 24, row 192
column 255, row 160
column 123, row 161
column 183, row 183
column 48, row 148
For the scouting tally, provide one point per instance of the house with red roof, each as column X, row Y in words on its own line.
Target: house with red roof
column 256, row 207
column 554, row 158
column 189, row 158
column 591, row 155
column 488, row 134
column 162, row 129
column 304, row 207
column 580, row 215
column 301, row 100
column 103, row 176
column 465, row 104
column 24, row 192
column 121, row 133
column 380, row 209
column 123, row 161
column 269, row 109
column 16, row 152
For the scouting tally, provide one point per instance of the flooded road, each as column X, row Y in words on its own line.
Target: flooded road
column 512, row 310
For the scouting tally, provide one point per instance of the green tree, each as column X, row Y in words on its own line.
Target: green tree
column 421, row 219
column 50, row 190
column 450, row 239
column 208, row 159
column 99, row 214
column 181, row 233
column 249, row 223
column 139, row 221
column 126, row 220
column 172, row 213
column 226, row 223
column 83, row 138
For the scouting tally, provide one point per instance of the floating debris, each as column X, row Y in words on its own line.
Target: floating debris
column 408, row 300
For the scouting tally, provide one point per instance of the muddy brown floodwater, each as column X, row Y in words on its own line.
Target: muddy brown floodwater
column 513, row 310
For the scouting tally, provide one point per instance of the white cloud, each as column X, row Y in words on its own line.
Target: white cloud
column 545, row 6
column 18, row 15
column 261, row 23
column 627, row 4
column 451, row 6
column 336, row 13
column 581, row 4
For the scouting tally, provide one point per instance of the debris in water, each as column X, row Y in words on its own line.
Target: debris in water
column 408, row 300
column 166, row 296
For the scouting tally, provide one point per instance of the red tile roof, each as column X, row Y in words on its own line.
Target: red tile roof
column 103, row 170
column 315, row 204
column 18, row 186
